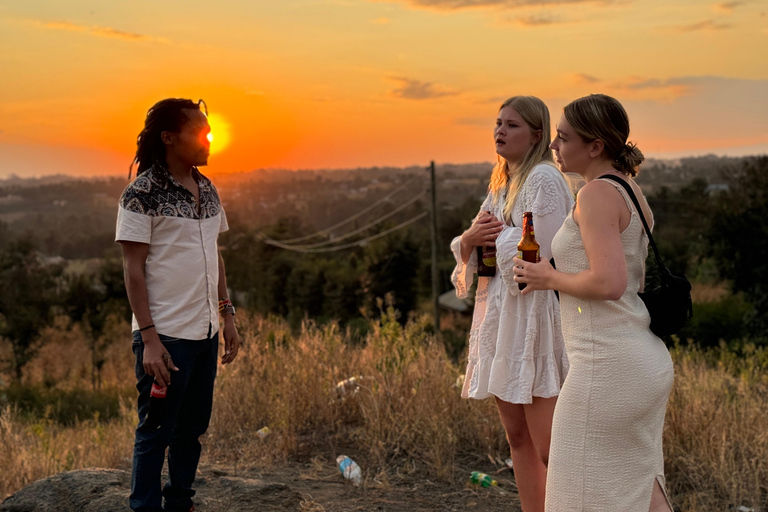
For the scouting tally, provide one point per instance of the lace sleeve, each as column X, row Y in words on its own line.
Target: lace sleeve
column 506, row 249
column 548, row 196
column 464, row 274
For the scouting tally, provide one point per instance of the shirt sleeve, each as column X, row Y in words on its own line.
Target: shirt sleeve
column 550, row 200
column 224, row 225
column 464, row 274
column 506, row 249
column 133, row 227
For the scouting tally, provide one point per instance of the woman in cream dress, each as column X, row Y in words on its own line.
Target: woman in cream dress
column 606, row 452
column 516, row 351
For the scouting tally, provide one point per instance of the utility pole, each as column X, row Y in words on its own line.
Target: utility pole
column 435, row 281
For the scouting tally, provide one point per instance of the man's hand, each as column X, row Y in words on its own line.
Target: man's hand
column 157, row 361
column 231, row 340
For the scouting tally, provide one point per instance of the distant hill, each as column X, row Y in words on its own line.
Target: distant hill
column 75, row 217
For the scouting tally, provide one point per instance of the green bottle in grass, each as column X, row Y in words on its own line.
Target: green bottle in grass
column 478, row 478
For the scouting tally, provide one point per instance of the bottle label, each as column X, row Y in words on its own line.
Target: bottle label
column 157, row 391
column 532, row 256
column 489, row 257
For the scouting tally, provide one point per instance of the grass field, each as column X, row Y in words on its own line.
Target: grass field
column 403, row 412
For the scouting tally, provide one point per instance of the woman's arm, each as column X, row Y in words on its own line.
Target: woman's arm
column 598, row 212
column 462, row 248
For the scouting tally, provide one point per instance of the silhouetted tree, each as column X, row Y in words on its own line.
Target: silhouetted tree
column 739, row 238
column 29, row 289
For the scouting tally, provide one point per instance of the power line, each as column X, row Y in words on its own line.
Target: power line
column 347, row 246
column 357, row 231
column 326, row 231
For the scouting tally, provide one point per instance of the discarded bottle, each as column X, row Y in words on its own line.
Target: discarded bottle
column 156, row 413
column 478, row 478
column 349, row 469
column 349, row 386
column 263, row 432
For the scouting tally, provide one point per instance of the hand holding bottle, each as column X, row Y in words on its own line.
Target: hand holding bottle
column 483, row 231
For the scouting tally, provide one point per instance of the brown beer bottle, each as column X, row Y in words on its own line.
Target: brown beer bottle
column 528, row 248
column 486, row 261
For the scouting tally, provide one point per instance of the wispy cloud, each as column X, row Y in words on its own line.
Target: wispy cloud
column 536, row 20
column 416, row 90
column 585, row 79
column 633, row 87
column 727, row 7
column 454, row 5
column 97, row 31
column 381, row 21
column 703, row 26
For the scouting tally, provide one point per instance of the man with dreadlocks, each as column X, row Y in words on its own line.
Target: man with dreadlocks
column 168, row 223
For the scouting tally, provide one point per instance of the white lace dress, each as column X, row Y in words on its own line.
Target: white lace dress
column 516, row 348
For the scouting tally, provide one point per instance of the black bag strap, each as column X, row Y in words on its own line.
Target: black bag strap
column 632, row 196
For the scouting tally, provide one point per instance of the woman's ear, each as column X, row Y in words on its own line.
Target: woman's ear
column 596, row 148
column 537, row 134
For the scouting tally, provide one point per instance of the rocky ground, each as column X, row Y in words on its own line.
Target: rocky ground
column 306, row 487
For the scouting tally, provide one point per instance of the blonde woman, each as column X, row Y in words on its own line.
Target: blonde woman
column 607, row 429
column 516, row 351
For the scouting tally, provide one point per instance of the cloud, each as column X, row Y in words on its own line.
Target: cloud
column 727, row 7
column 417, row 90
column 703, row 25
column 633, row 87
column 381, row 21
column 539, row 20
column 455, row 5
column 585, row 79
column 97, row 31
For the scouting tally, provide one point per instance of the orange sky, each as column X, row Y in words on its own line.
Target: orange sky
column 347, row 83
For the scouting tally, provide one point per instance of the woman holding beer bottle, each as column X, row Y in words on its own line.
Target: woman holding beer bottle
column 516, row 351
column 607, row 430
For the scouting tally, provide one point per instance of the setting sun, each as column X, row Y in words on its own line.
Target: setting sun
column 220, row 133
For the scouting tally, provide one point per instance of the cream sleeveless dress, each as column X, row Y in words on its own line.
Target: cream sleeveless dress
column 607, row 428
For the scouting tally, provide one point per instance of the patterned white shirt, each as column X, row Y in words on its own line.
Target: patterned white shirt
column 182, row 267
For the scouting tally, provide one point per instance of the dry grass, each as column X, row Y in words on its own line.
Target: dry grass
column 716, row 435
column 406, row 415
column 30, row 451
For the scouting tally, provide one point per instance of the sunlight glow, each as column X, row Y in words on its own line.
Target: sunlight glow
column 220, row 132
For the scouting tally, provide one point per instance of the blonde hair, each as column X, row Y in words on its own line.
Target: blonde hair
column 598, row 116
column 536, row 115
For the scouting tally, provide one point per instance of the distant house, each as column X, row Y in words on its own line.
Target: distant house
column 448, row 300
column 716, row 188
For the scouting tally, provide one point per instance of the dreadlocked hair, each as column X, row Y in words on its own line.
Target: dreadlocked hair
column 164, row 116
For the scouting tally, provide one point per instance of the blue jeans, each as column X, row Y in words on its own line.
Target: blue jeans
column 187, row 413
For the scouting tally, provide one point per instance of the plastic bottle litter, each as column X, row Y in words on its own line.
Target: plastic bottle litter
column 349, row 469
column 349, row 386
column 263, row 432
column 478, row 478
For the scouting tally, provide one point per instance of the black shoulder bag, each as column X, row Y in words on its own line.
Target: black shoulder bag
column 670, row 303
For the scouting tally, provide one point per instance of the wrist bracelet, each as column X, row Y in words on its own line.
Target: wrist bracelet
column 147, row 327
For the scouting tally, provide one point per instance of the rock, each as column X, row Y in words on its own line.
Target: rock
column 86, row 490
column 107, row 490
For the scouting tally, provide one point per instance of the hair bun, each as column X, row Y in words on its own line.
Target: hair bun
column 628, row 159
